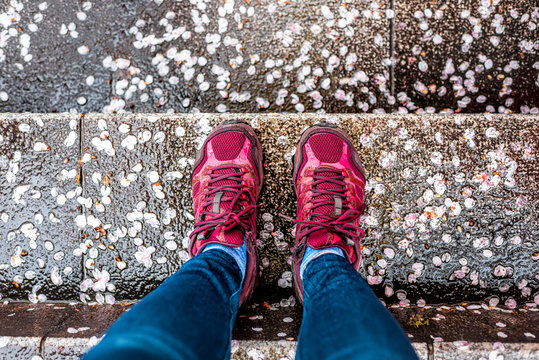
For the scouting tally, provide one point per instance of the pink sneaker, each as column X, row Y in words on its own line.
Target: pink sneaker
column 330, row 187
column 227, row 179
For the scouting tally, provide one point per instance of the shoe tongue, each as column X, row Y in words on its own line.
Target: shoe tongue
column 224, row 205
column 329, row 209
column 234, row 235
column 322, row 237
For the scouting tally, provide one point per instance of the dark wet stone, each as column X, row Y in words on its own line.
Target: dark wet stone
column 392, row 197
column 270, row 315
column 466, row 323
column 56, row 76
column 54, row 319
column 174, row 154
column 38, row 204
column 465, row 56
column 259, row 35
column 265, row 321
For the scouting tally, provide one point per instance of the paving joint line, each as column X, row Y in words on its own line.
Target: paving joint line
column 392, row 50
column 430, row 350
column 43, row 340
column 82, row 185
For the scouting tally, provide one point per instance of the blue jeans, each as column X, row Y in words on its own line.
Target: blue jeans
column 190, row 316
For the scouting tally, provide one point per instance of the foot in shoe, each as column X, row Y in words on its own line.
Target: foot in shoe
column 227, row 179
column 329, row 181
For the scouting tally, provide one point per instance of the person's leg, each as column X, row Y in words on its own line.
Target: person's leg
column 343, row 318
column 189, row 316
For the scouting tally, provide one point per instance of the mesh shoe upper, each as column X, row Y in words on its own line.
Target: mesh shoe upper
column 224, row 191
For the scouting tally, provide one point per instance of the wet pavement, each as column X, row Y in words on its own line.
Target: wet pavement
column 96, row 208
column 278, row 56
column 38, row 191
column 65, row 331
column 475, row 56
column 451, row 216
column 262, row 322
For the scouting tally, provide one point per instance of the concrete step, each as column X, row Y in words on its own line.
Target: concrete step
column 97, row 208
column 297, row 56
column 468, row 331
column 451, row 218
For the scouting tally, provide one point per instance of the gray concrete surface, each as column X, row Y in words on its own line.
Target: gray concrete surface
column 38, row 170
column 279, row 56
column 451, row 216
column 73, row 348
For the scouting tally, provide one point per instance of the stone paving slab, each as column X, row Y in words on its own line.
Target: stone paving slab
column 67, row 348
column 471, row 56
column 74, row 348
column 12, row 348
column 334, row 55
column 446, row 332
column 56, row 77
column 451, row 202
column 39, row 171
column 156, row 56
column 285, row 56
column 136, row 172
column 269, row 317
column 471, row 322
column 452, row 351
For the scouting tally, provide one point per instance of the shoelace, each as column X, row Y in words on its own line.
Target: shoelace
column 343, row 224
column 228, row 219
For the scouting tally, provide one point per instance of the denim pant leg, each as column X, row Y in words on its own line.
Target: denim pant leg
column 343, row 318
column 190, row 316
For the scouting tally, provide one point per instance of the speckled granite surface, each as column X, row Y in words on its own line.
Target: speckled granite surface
column 96, row 208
